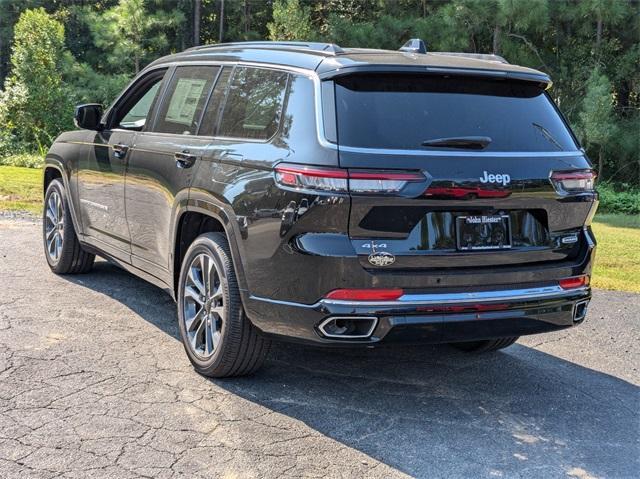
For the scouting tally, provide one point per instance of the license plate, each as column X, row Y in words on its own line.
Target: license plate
column 483, row 232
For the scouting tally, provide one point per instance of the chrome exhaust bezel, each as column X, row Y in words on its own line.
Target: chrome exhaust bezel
column 584, row 302
column 374, row 323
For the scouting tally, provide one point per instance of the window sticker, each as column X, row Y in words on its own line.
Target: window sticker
column 184, row 100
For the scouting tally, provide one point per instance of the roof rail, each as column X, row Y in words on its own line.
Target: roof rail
column 328, row 48
column 478, row 56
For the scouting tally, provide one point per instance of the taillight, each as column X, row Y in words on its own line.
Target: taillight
column 325, row 179
column 339, row 180
column 574, row 282
column 569, row 182
column 374, row 294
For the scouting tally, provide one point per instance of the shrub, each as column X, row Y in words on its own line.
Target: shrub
column 611, row 201
column 27, row 160
column 35, row 104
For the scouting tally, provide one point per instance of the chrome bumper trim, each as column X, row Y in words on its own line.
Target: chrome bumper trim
column 546, row 292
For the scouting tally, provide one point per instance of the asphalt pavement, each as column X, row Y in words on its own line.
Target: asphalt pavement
column 94, row 382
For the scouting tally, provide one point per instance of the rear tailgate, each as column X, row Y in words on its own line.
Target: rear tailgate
column 445, row 220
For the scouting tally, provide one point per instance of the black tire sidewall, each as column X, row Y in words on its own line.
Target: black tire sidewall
column 211, row 245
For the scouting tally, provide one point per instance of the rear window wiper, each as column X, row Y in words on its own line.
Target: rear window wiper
column 466, row 142
column 548, row 136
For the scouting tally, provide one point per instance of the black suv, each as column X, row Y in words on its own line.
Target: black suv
column 341, row 197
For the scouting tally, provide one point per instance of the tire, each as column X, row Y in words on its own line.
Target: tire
column 61, row 246
column 218, row 338
column 486, row 345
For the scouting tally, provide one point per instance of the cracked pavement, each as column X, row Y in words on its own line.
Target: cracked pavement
column 94, row 383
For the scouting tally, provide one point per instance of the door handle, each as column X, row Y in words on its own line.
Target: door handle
column 120, row 150
column 184, row 159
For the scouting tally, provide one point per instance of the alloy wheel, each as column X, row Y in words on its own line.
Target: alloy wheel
column 54, row 225
column 203, row 306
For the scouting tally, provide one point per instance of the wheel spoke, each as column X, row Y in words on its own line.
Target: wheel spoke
column 196, row 337
column 50, row 232
column 219, row 312
column 193, row 277
column 190, row 292
column 217, row 294
column 193, row 323
column 208, row 343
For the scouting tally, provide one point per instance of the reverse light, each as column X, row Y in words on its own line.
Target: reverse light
column 570, row 182
column 380, row 182
column 342, row 181
column 574, row 282
column 365, row 294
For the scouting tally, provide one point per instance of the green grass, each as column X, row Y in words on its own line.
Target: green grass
column 617, row 264
column 21, row 189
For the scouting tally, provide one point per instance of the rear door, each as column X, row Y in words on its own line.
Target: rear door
column 483, row 151
column 161, row 166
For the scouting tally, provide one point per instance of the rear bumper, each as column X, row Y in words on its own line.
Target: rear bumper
column 430, row 317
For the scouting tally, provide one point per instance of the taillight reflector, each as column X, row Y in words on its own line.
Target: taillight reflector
column 574, row 282
column 365, row 294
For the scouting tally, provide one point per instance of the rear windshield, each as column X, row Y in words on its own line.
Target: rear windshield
column 403, row 111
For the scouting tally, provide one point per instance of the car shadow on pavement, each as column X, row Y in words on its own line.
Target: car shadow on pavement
column 431, row 411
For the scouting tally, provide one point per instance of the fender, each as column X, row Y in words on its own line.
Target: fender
column 207, row 204
column 52, row 161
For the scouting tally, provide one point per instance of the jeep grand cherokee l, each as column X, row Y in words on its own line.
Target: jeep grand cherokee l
column 341, row 197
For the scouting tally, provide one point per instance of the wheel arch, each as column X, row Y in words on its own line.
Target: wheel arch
column 194, row 219
column 54, row 169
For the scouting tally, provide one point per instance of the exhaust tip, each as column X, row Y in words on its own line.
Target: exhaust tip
column 580, row 311
column 348, row 327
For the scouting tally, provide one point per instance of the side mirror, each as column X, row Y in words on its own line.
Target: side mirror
column 88, row 116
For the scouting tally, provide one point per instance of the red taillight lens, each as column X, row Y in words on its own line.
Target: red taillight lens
column 574, row 282
column 325, row 179
column 365, row 294
column 339, row 180
column 568, row 182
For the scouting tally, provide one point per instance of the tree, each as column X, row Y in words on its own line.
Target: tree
column 35, row 106
column 291, row 21
column 130, row 34
column 598, row 123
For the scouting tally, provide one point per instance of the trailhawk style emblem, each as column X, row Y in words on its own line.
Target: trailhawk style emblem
column 381, row 258
column 499, row 178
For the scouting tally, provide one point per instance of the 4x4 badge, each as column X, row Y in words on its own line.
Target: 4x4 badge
column 381, row 259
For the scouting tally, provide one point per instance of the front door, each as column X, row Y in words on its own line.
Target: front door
column 101, row 172
column 160, row 168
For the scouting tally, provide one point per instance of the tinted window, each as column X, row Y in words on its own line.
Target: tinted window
column 212, row 111
column 184, row 101
column 133, row 110
column 402, row 111
column 254, row 104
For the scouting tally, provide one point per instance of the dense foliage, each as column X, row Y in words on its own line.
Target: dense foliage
column 86, row 51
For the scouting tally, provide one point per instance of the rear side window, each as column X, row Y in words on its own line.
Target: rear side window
column 184, row 101
column 253, row 108
column 403, row 111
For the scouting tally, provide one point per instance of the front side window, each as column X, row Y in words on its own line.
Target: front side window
column 185, row 99
column 253, row 108
column 134, row 109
